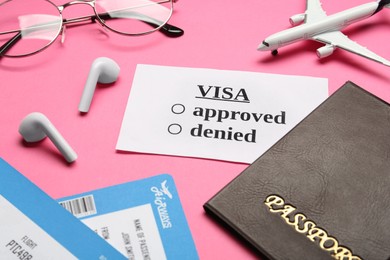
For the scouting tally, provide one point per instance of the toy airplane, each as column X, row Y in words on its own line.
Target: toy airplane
column 326, row 29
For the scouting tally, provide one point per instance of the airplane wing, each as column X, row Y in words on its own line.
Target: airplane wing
column 314, row 11
column 340, row 40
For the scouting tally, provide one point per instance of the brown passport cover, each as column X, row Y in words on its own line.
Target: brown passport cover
column 334, row 168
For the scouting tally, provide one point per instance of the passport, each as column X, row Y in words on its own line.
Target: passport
column 320, row 192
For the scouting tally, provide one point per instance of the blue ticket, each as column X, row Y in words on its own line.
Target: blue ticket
column 34, row 226
column 143, row 219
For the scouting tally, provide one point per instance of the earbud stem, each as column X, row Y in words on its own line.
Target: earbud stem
column 86, row 97
column 60, row 142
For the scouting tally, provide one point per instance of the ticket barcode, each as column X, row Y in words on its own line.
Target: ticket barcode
column 80, row 207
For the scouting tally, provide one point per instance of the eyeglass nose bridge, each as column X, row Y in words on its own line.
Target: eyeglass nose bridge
column 75, row 20
column 76, row 2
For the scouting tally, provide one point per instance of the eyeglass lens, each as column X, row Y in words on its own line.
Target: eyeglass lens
column 31, row 26
column 133, row 16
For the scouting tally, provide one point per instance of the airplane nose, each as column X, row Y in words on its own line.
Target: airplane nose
column 260, row 47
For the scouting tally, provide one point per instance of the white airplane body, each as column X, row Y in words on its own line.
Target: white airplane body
column 326, row 29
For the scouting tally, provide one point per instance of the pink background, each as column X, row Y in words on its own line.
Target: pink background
column 218, row 34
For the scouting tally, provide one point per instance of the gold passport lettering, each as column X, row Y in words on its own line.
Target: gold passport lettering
column 305, row 226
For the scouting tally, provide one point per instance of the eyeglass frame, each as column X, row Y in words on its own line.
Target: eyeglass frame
column 167, row 29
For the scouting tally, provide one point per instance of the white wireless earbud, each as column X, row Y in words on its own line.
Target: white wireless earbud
column 103, row 70
column 36, row 126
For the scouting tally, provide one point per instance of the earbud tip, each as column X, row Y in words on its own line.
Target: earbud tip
column 109, row 71
column 29, row 128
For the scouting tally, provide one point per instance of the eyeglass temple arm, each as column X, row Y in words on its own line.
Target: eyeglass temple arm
column 6, row 46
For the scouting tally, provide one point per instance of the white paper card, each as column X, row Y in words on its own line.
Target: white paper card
column 134, row 224
column 215, row 114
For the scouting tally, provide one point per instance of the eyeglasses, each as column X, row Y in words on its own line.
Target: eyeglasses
column 28, row 27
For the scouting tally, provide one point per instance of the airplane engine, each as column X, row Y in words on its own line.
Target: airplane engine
column 297, row 19
column 325, row 51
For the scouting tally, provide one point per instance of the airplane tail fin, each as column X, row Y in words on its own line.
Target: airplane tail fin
column 384, row 3
column 381, row 4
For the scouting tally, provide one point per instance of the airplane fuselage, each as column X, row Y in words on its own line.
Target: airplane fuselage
column 335, row 22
